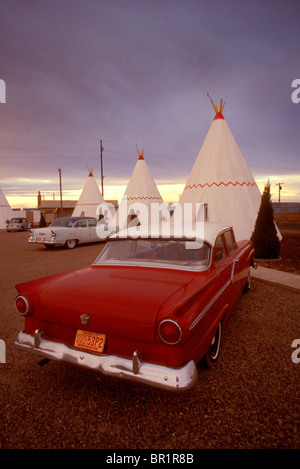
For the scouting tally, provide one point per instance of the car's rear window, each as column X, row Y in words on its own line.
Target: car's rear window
column 171, row 253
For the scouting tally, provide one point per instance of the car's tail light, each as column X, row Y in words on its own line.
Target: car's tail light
column 170, row 331
column 23, row 306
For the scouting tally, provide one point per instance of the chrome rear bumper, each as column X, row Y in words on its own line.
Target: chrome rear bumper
column 45, row 241
column 173, row 379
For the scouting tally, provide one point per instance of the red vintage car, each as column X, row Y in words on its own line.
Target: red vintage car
column 148, row 309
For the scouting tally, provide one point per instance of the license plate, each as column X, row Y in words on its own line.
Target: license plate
column 93, row 341
column 40, row 239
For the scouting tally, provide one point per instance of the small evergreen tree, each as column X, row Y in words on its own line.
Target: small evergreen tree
column 42, row 223
column 264, row 236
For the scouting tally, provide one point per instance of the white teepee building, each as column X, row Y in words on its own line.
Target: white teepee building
column 221, row 179
column 89, row 199
column 5, row 210
column 140, row 195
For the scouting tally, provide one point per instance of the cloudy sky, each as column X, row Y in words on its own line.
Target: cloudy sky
column 136, row 74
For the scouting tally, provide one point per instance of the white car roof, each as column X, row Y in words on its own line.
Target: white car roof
column 208, row 231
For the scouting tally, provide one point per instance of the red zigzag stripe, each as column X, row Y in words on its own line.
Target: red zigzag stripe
column 128, row 198
column 194, row 186
column 81, row 205
column 144, row 198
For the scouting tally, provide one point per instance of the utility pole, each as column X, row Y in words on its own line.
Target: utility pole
column 60, row 189
column 101, row 159
column 279, row 188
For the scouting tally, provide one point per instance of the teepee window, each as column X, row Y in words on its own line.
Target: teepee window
column 133, row 220
column 205, row 212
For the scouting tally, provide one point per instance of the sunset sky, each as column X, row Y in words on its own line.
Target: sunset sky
column 136, row 74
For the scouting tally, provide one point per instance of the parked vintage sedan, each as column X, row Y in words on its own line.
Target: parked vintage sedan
column 148, row 309
column 67, row 231
column 18, row 224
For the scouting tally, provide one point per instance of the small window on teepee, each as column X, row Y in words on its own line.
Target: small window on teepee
column 133, row 220
column 205, row 212
column 101, row 219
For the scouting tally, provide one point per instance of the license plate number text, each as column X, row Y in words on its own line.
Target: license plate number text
column 93, row 341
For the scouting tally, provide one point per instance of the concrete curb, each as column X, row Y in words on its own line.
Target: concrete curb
column 277, row 277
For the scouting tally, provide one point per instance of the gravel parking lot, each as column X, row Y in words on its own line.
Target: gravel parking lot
column 249, row 400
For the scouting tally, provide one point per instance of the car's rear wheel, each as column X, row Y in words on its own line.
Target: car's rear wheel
column 71, row 243
column 213, row 352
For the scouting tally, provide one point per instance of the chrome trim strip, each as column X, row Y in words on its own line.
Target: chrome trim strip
column 172, row 379
column 209, row 305
column 233, row 268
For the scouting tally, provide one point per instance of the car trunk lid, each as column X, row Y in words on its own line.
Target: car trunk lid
column 118, row 301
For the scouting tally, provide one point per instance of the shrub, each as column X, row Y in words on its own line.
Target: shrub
column 264, row 236
column 42, row 223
